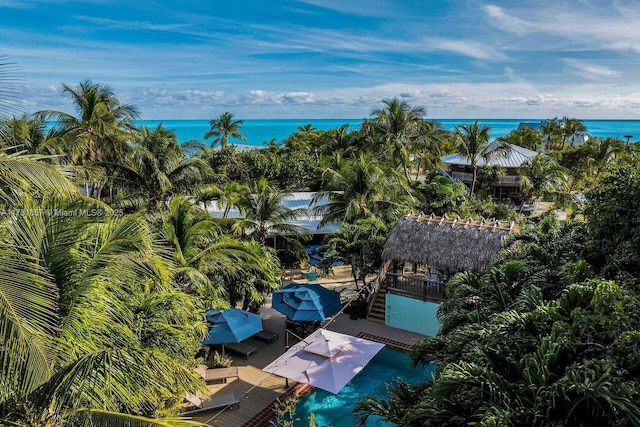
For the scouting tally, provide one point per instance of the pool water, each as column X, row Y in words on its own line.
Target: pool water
column 336, row 410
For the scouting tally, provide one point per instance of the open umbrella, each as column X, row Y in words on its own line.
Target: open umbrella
column 306, row 302
column 325, row 359
column 231, row 326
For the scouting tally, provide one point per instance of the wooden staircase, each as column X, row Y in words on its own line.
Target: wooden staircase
column 378, row 309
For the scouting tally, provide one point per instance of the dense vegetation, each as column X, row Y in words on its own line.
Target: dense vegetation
column 548, row 335
column 108, row 261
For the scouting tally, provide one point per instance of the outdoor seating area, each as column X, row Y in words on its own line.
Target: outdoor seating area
column 253, row 342
column 218, row 374
column 267, row 336
column 242, row 349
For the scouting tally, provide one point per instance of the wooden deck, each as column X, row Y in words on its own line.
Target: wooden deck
column 258, row 390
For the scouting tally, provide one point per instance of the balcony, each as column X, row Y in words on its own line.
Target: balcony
column 468, row 177
column 426, row 288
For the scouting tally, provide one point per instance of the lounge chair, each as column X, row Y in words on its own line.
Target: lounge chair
column 216, row 374
column 241, row 349
column 266, row 336
column 217, row 401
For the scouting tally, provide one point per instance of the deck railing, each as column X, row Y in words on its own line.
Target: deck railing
column 415, row 286
column 468, row 177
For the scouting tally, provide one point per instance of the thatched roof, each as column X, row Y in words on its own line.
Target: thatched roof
column 449, row 243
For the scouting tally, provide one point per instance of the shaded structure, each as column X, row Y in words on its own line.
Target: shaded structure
column 325, row 359
column 446, row 243
column 231, row 326
column 423, row 251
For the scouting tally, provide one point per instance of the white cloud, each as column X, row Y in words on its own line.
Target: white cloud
column 499, row 18
column 590, row 71
column 471, row 49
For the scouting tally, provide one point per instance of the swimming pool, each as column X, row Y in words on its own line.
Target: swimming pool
column 336, row 410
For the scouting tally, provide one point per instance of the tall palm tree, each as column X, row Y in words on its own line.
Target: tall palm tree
column 572, row 129
column 472, row 142
column 99, row 133
column 206, row 258
column 601, row 152
column 360, row 188
column 552, row 131
column 264, row 213
column 335, row 140
column 231, row 196
column 398, row 124
column 224, row 127
column 156, row 166
column 428, row 145
column 102, row 127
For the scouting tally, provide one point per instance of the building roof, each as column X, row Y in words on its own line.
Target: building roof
column 517, row 157
column 533, row 125
column 442, row 242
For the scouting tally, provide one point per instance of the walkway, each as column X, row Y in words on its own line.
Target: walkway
column 258, row 389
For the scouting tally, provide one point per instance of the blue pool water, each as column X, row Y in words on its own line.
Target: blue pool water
column 336, row 410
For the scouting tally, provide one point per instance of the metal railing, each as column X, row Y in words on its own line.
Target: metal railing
column 422, row 287
column 468, row 177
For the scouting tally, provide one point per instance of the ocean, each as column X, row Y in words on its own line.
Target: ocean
column 260, row 132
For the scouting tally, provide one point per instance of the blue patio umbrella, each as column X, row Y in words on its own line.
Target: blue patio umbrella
column 306, row 302
column 231, row 326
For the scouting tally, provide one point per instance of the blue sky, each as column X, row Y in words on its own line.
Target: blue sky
column 332, row 58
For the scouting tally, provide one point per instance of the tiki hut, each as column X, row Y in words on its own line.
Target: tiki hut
column 445, row 243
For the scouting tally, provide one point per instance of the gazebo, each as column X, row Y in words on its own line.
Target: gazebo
column 422, row 251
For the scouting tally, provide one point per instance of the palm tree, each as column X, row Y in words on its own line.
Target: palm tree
column 526, row 137
column 156, row 166
column 29, row 134
column 103, row 126
column 552, row 130
column 572, row 128
column 601, row 152
column 336, row 140
column 398, row 124
column 266, row 214
column 206, row 258
column 360, row 188
column 100, row 132
column 231, row 196
column 224, row 127
column 472, row 142
column 541, row 176
column 428, row 145
column 71, row 357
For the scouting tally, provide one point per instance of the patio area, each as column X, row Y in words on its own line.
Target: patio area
column 257, row 389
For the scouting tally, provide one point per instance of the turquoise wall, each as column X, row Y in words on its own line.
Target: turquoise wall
column 412, row 315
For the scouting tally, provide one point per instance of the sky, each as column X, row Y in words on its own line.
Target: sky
column 263, row 59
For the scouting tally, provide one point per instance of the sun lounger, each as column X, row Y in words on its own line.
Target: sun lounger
column 217, row 401
column 216, row 374
column 241, row 349
column 266, row 336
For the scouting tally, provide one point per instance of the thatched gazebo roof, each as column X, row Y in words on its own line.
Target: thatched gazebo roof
column 443, row 242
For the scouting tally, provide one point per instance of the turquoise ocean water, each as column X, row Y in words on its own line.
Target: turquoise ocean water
column 261, row 132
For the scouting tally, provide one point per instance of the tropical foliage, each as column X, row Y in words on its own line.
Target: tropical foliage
column 109, row 259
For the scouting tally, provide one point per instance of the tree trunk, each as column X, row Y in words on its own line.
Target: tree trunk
column 473, row 180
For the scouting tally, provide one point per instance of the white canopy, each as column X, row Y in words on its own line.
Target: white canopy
column 325, row 359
